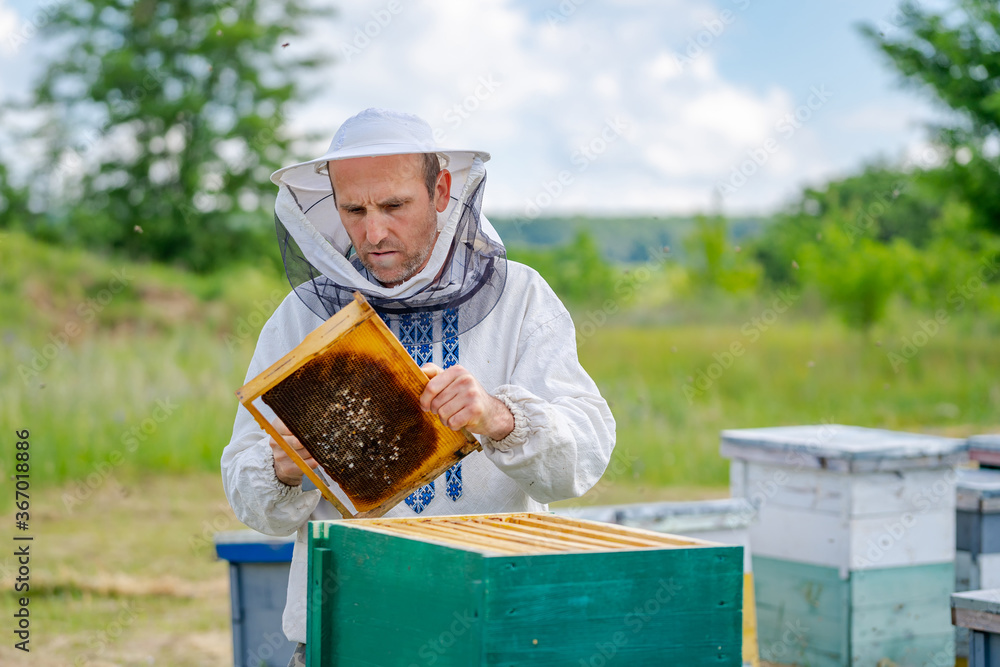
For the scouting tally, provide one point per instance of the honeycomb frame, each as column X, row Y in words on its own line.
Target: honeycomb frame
column 350, row 393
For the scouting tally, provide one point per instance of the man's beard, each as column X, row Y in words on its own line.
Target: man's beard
column 410, row 266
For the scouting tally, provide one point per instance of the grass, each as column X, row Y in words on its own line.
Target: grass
column 147, row 383
column 127, row 576
column 796, row 373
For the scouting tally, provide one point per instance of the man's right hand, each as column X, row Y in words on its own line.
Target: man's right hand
column 284, row 468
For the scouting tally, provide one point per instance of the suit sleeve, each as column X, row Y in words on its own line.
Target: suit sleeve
column 564, row 432
column 257, row 496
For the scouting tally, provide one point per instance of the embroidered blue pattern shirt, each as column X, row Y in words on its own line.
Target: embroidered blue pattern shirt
column 416, row 334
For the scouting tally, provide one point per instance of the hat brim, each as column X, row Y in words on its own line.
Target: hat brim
column 304, row 175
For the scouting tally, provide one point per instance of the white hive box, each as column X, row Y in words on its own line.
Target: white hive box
column 854, row 543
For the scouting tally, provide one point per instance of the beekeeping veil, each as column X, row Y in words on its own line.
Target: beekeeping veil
column 467, row 268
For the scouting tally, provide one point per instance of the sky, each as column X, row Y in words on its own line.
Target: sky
column 661, row 107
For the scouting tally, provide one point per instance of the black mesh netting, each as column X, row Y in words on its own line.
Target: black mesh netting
column 474, row 275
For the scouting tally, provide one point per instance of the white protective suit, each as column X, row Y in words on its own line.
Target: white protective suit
column 523, row 352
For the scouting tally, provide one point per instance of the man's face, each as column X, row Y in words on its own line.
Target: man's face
column 388, row 213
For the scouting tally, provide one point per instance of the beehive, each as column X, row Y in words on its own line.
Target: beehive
column 985, row 449
column 978, row 612
column 977, row 537
column 724, row 521
column 853, row 544
column 519, row 589
column 350, row 393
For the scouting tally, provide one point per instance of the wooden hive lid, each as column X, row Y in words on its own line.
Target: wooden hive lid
column 985, row 448
column 978, row 490
column 842, row 448
column 985, row 441
column 519, row 533
column 350, row 393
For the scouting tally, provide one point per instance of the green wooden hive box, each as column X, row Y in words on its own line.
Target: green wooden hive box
column 518, row 589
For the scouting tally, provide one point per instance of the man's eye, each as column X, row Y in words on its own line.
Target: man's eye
column 393, row 206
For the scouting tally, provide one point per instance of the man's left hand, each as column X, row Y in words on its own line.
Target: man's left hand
column 461, row 402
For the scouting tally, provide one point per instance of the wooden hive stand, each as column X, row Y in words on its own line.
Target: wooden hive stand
column 979, row 613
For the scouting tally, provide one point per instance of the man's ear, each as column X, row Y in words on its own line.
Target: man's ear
column 442, row 190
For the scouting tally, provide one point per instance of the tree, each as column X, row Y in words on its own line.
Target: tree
column 577, row 271
column 880, row 203
column 162, row 122
column 715, row 262
column 857, row 277
column 955, row 55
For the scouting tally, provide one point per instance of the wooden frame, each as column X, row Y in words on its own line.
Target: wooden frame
column 527, row 533
column 319, row 342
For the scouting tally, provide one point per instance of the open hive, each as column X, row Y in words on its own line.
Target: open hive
column 350, row 393
column 519, row 589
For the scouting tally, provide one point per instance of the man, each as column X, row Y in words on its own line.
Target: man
column 389, row 214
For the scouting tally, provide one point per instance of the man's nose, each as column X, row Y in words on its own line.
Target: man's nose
column 376, row 229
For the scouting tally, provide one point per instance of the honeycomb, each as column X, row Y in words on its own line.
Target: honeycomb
column 355, row 407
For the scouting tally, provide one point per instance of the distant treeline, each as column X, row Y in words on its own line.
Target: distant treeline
column 629, row 240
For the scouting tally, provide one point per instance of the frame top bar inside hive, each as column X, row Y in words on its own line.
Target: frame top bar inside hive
column 524, row 534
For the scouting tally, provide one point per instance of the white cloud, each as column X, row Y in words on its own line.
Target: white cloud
column 537, row 92
column 556, row 83
column 9, row 22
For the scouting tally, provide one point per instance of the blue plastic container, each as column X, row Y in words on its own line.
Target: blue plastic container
column 258, row 583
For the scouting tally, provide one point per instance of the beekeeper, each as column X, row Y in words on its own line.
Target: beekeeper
column 388, row 213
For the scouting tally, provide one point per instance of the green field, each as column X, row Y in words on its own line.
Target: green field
column 128, row 397
column 145, row 382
